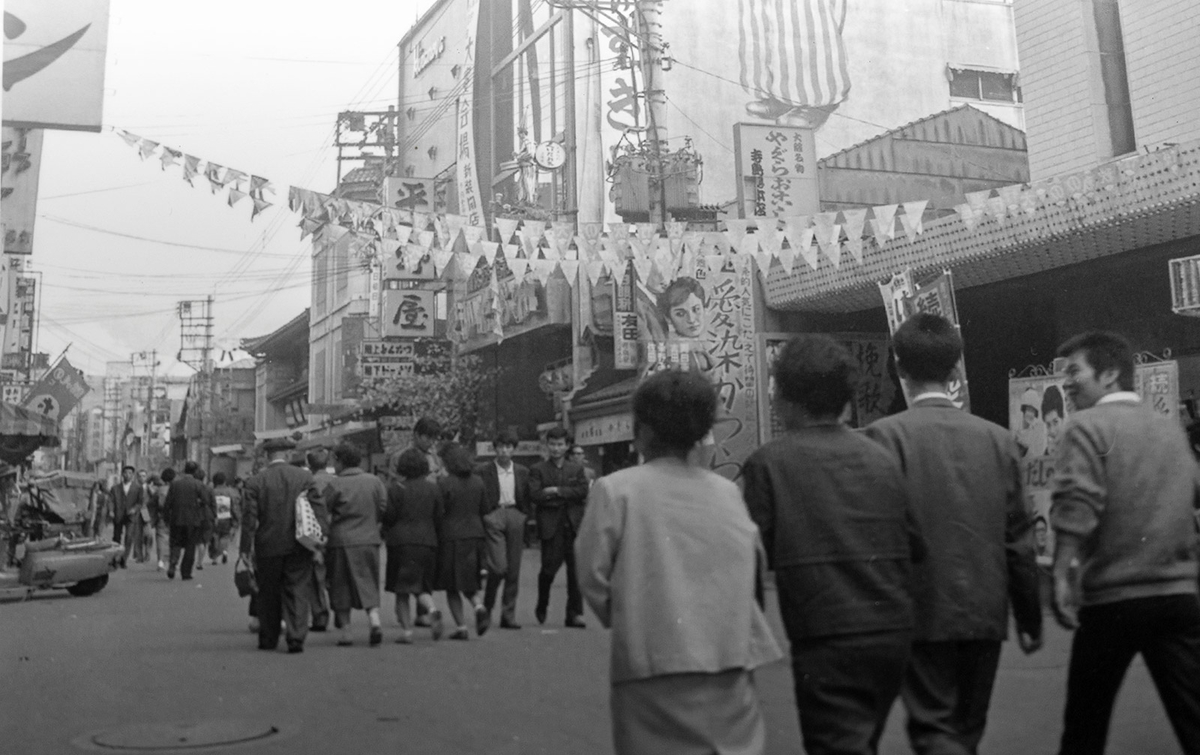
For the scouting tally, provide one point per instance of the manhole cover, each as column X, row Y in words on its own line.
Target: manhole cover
column 168, row 737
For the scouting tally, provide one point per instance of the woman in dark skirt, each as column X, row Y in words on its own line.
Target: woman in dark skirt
column 460, row 541
column 356, row 502
column 413, row 516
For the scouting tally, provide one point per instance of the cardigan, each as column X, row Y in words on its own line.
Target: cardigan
column 356, row 502
column 414, row 513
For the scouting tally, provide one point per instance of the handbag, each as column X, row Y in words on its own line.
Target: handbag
column 243, row 578
column 308, row 529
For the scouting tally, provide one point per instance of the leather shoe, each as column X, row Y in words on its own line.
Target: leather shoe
column 319, row 628
column 576, row 623
column 376, row 636
column 268, row 645
column 295, row 647
column 540, row 614
column 505, row 624
column 483, row 620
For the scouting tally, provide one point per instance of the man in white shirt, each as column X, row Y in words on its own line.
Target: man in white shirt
column 507, row 486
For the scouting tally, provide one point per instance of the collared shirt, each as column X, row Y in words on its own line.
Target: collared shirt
column 508, row 484
column 932, row 394
column 127, row 486
column 1119, row 396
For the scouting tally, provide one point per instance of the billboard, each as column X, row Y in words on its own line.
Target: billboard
column 54, row 63
column 21, row 164
column 776, row 168
column 407, row 313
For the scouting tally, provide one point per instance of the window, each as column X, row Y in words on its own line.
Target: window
column 986, row 86
column 320, row 281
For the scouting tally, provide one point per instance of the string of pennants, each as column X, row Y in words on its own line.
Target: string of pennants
column 539, row 249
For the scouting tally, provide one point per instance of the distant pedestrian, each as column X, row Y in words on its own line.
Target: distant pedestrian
column 559, row 491
column 427, row 439
column 1125, row 569
column 188, row 507
column 576, row 454
column 507, row 487
column 317, row 461
column 227, row 504
column 668, row 558
column 158, row 519
column 356, row 501
column 282, row 565
column 144, row 548
column 411, row 522
column 841, row 537
column 209, row 524
column 964, row 479
column 127, row 499
column 461, row 540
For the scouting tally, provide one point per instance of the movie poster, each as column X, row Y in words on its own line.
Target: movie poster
column 1038, row 409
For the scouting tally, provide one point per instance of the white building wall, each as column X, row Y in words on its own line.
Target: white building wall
column 324, row 334
column 1162, row 57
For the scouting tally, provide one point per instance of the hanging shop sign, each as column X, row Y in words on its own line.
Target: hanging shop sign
column 54, row 63
column 494, row 303
column 379, row 359
column 22, row 160
column 550, row 155
column 415, row 194
column 407, row 313
column 597, row 431
column 777, row 170
column 903, row 298
column 625, row 318
column 57, row 393
column 426, row 56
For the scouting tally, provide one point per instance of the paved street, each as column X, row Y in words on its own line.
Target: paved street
column 146, row 650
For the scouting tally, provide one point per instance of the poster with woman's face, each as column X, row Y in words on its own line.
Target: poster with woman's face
column 675, row 323
column 1038, row 408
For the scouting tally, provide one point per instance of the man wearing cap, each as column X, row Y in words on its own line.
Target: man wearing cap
column 127, row 499
column 283, row 566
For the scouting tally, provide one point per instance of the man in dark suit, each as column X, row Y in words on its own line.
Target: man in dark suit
column 282, row 565
column 559, row 490
column 507, row 486
column 964, row 480
column 126, row 500
column 188, row 507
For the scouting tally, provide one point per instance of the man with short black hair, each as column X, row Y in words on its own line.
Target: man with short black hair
column 558, row 488
column 188, row 508
column 317, row 460
column 1125, row 568
column 965, row 485
column 127, row 499
column 507, row 486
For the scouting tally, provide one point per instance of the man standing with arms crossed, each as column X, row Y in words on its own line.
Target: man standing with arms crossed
column 964, row 482
column 559, row 490
column 1125, row 565
column 507, row 487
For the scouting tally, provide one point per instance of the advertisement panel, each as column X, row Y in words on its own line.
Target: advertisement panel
column 54, row 63
column 407, row 313
column 625, row 327
column 902, row 298
column 57, row 393
column 21, row 164
column 777, row 170
column 521, row 305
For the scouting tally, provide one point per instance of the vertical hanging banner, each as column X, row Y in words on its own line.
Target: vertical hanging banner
column 470, row 201
column 777, row 170
column 57, row 393
column 22, row 162
column 625, row 318
column 54, row 63
column 903, row 298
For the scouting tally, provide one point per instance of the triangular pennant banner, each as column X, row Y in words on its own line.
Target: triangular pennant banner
column 734, row 231
column 913, row 212
column 402, row 233
column 883, row 224
column 977, row 199
column 763, row 261
column 260, row 185
column 748, row 245
column 490, row 249
column 827, row 233
column 234, row 177
column 997, row 209
column 787, row 258
column 213, row 173
column 853, row 222
column 643, row 267
column 506, row 227
column 235, row 196
column 259, row 206
column 473, row 233
column 966, row 213
column 542, row 270
column 595, row 271
column 308, row 226
column 191, row 168
column 519, row 267
column 390, row 247
column 133, row 140
column 570, row 271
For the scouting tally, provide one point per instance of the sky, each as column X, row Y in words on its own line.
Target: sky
column 254, row 85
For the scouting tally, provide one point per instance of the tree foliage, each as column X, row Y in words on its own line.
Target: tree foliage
column 451, row 390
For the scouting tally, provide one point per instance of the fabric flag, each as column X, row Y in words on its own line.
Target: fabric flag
column 798, row 231
column 792, row 53
column 543, row 270
column 234, row 177
column 191, row 168
column 147, row 148
column 787, row 259
column 763, row 261
column 402, row 233
column 618, row 231
column 169, row 157
column 587, row 249
column 591, row 232
column 735, row 230
column 519, row 267
column 296, row 198
column 853, row 222
column 966, row 213
column 425, row 239
column 1012, row 197
column 454, row 226
column 133, row 140
column 506, row 227
column 235, row 196
column 1028, row 203
column 260, row 185
column 643, row 266
column 511, row 252
column 911, row 220
column 770, row 239
column 259, row 206
column 883, row 224
column 497, row 306
column 978, row 199
column 390, row 248
column 827, row 233
column 997, row 209
column 489, row 250
column 473, row 233
column 308, row 226
column 440, row 258
column 570, row 271
column 421, row 220
column 595, row 271
column 213, row 173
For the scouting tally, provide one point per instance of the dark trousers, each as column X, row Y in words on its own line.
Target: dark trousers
column 947, row 690
column 845, row 686
column 184, row 539
column 121, row 536
column 505, row 543
column 1166, row 631
column 283, row 590
column 555, row 551
column 318, row 596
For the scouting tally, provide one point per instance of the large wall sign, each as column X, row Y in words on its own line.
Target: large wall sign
column 54, row 63
column 22, row 162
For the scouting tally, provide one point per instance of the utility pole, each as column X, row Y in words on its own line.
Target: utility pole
column 196, row 351
column 650, row 38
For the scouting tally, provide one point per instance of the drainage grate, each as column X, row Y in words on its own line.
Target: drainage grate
column 177, row 737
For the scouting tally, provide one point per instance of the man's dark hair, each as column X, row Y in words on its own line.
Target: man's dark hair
column 816, row 373
column 1052, row 401
column 457, row 459
column 130, row 467
column 218, row 479
column 199, row 474
column 412, row 464
column 679, row 407
column 318, row 459
column 168, row 475
column 505, row 438
column 556, row 433
column 348, row 454
column 428, row 426
column 1104, row 350
column 191, row 467
column 928, row 348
